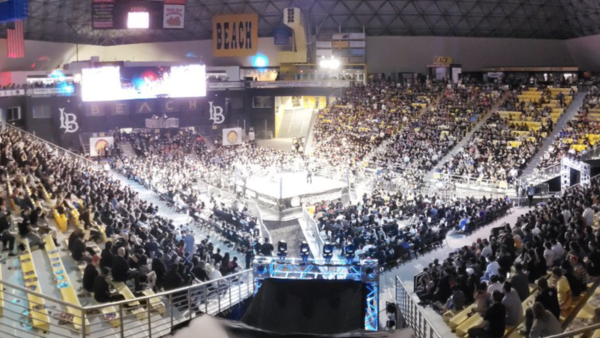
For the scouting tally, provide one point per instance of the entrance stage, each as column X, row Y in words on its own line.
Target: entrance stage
column 290, row 190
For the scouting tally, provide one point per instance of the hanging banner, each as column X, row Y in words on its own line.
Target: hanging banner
column 232, row 136
column 173, row 16
column 235, row 35
column 98, row 145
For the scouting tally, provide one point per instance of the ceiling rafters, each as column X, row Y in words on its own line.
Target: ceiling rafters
column 69, row 20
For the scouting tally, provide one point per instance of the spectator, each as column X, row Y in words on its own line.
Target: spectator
column 548, row 298
column 565, row 295
column 512, row 303
column 102, row 293
column 494, row 320
column 519, row 282
column 545, row 324
column 89, row 275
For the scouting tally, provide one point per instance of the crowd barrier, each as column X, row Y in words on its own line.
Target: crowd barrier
column 413, row 314
column 153, row 315
column 313, row 230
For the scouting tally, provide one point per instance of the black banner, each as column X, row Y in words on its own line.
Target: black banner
column 103, row 14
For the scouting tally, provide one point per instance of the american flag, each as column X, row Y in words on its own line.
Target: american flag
column 15, row 39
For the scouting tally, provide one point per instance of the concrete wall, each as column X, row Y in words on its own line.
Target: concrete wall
column 412, row 54
column 585, row 52
column 384, row 54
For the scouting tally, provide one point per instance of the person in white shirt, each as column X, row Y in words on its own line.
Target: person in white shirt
column 557, row 248
column 494, row 285
column 588, row 215
column 566, row 214
column 487, row 251
column 549, row 254
column 492, row 267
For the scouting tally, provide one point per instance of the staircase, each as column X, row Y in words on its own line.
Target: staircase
column 460, row 145
column 295, row 123
column 566, row 117
column 128, row 149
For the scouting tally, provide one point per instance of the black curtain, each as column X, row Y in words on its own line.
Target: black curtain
column 308, row 306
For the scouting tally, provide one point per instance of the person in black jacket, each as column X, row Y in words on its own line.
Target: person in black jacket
column 160, row 268
column 173, row 279
column 8, row 239
column 101, row 289
column 107, row 257
column 121, row 271
column 79, row 251
column 90, row 273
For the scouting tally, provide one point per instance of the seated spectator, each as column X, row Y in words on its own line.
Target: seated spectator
column 89, row 275
column 545, row 323
column 494, row 320
column 548, row 298
column 512, row 303
column 592, row 261
column 519, row 282
column 102, row 291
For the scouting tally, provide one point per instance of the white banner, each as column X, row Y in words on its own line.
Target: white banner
column 12, row 92
column 232, row 136
column 45, row 91
column 174, row 16
column 98, row 144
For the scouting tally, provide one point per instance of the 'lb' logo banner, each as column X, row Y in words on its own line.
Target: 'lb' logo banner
column 235, row 35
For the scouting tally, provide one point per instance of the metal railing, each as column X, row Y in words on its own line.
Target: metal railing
column 413, row 314
column 543, row 174
column 313, row 230
column 469, row 182
column 155, row 315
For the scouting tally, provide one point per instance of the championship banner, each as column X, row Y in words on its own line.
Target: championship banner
column 235, row 35
column 173, row 16
column 232, row 136
column 97, row 145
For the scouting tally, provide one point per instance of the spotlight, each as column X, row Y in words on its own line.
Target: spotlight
column 390, row 311
column 304, row 251
column 327, row 251
column 282, row 249
column 349, row 251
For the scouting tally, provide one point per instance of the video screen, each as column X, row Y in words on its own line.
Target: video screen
column 133, row 83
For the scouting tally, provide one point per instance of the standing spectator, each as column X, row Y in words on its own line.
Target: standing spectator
column 267, row 248
column 494, row 320
column 592, row 261
column 8, row 240
column 588, row 215
column 530, row 194
column 565, row 296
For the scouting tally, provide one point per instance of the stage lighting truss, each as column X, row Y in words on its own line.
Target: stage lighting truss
column 366, row 271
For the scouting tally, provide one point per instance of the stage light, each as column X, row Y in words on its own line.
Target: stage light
column 259, row 60
column 390, row 311
column 304, row 251
column 329, row 63
column 138, row 20
column 282, row 249
column 327, row 251
column 349, row 251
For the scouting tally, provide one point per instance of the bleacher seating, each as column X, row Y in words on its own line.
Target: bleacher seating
column 37, row 305
column 63, row 283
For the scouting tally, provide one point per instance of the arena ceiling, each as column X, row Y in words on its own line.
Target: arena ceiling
column 69, row 20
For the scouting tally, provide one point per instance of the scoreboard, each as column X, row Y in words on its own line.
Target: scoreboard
column 124, row 14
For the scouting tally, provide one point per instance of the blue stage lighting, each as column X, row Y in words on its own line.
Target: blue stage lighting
column 260, row 60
